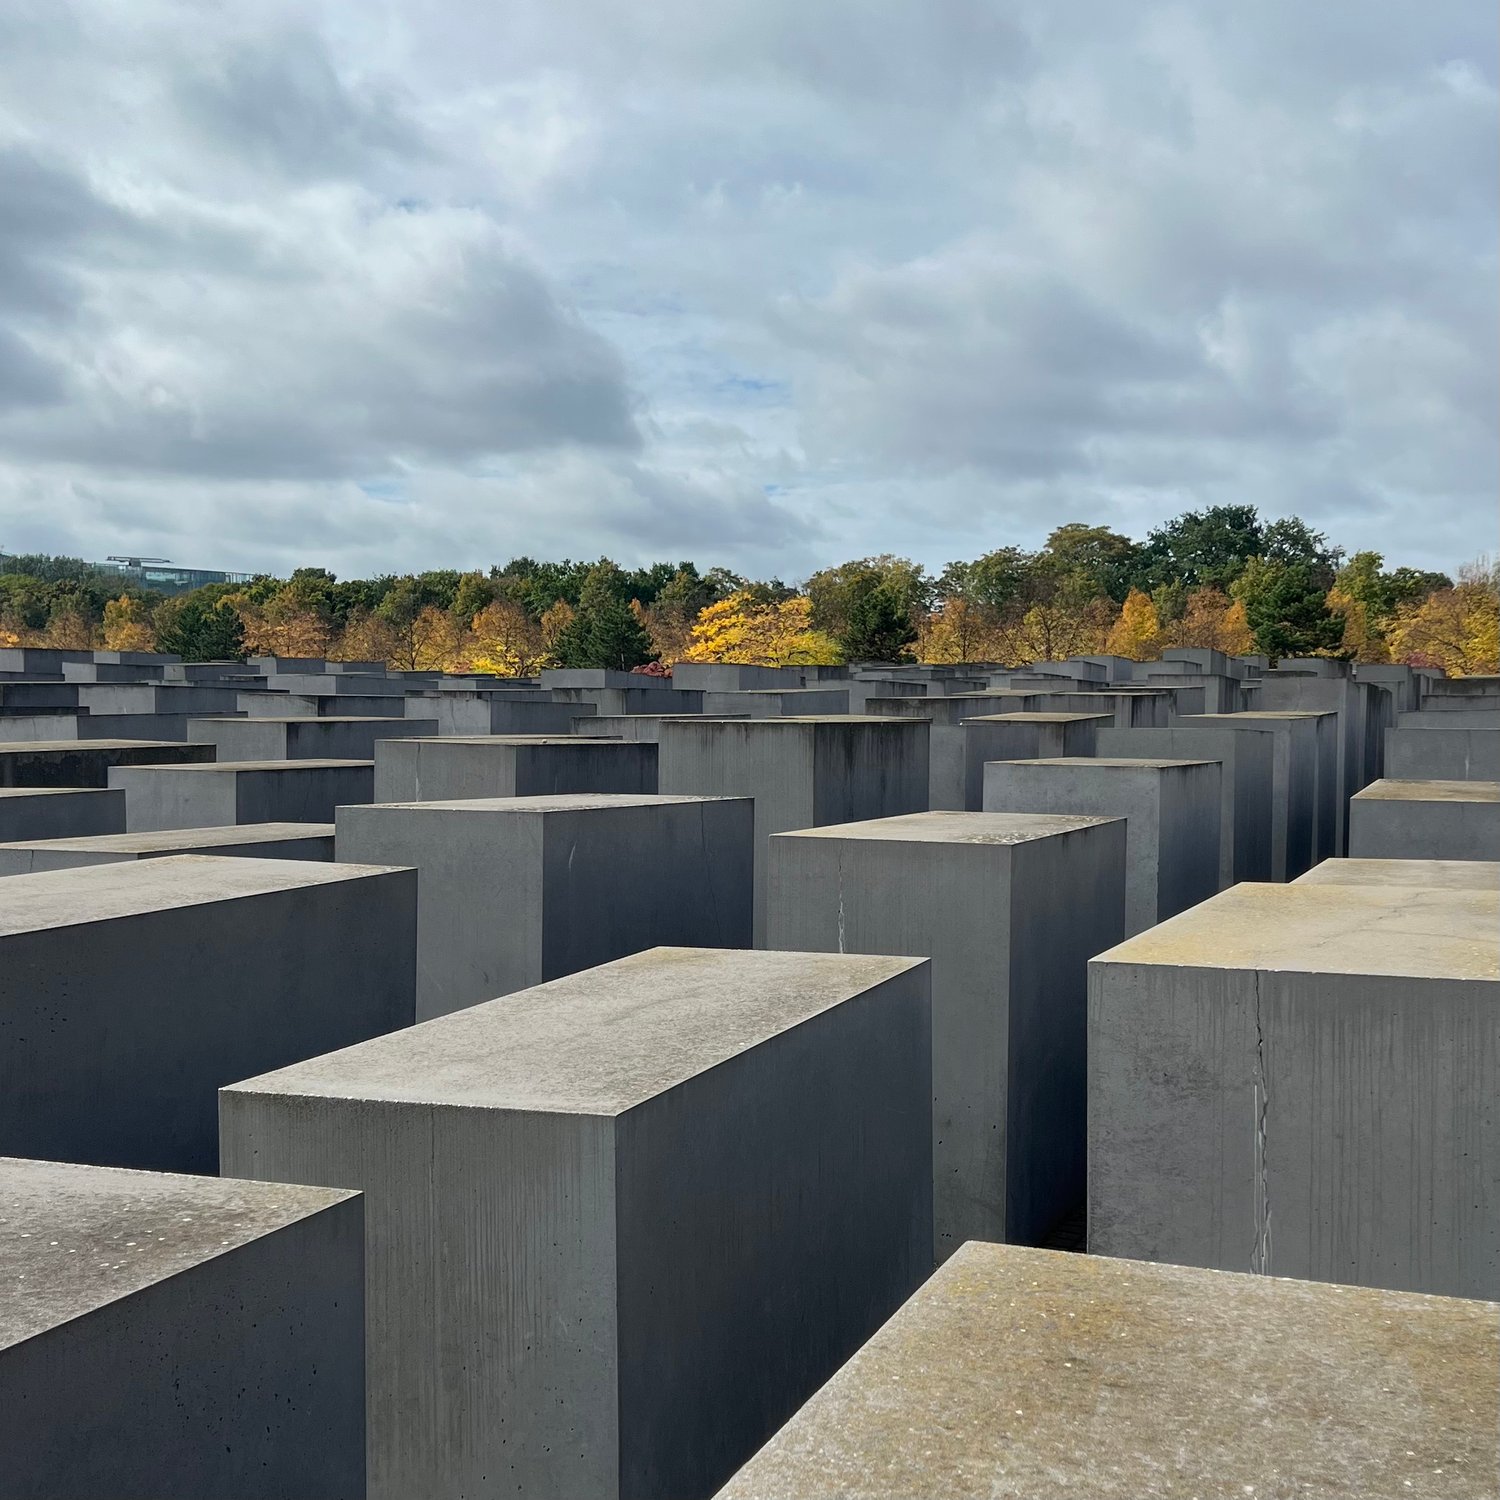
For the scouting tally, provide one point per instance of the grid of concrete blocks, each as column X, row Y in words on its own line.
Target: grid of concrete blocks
column 879, row 1081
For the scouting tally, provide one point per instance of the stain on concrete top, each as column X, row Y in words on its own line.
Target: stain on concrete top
column 597, row 1042
column 22, row 792
column 556, row 802
column 1430, row 791
column 1433, row 874
column 1330, row 929
column 955, row 828
column 1018, row 1374
column 73, row 1238
column 180, row 838
column 104, row 893
column 33, row 747
column 217, row 767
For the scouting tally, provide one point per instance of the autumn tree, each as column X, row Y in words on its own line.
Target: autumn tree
column 870, row 607
column 1137, row 631
column 127, row 625
column 1212, row 620
column 744, row 629
column 1457, row 629
column 506, row 641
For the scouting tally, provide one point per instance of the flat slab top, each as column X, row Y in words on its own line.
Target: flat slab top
column 25, row 793
column 1429, row 791
column 1034, row 718
column 954, row 828
column 1438, row 874
column 597, row 1042
column 874, row 721
column 1134, row 763
column 211, row 767
column 1330, row 929
column 33, row 747
column 568, row 741
column 1250, row 719
column 104, row 893
column 557, row 802
column 181, row 838
column 302, row 719
column 1037, row 1375
column 74, row 1238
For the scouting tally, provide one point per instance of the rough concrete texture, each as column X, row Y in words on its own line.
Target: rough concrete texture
column 513, row 891
column 1009, row 908
column 303, row 738
column 802, row 773
column 165, row 1336
column 1426, row 820
column 776, row 703
column 251, row 841
column 621, row 1225
column 1031, row 1375
column 1171, row 812
column 59, row 812
column 635, row 726
column 518, row 711
column 1437, row 874
column 1132, row 709
column 130, row 993
column 465, row 766
column 1244, row 786
column 1018, row 736
column 1330, row 817
column 76, row 763
column 1302, row 1081
column 1442, row 754
column 225, row 792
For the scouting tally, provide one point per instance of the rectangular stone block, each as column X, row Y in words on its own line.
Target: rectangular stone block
column 516, row 711
column 1132, row 709
column 734, row 677
column 1426, row 820
column 1009, row 908
column 303, row 738
column 1301, row 1081
column 594, row 678
column 1436, row 874
column 1244, row 787
column 250, row 841
column 1020, row 736
column 102, row 699
column 166, row 1336
column 620, row 1225
column 74, row 763
column 336, row 684
column 634, row 726
column 1171, row 812
column 129, row 994
column 264, row 705
column 513, row 891
column 465, row 766
column 802, row 773
column 1457, row 754
column 59, row 812
column 1028, row 1373
column 245, row 791
column 776, row 703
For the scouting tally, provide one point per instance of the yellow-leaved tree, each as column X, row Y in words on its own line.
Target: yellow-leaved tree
column 1457, row 629
column 1210, row 618
column 1137, row 632
column 757, row 633
column 507, row 641
column 127, row 625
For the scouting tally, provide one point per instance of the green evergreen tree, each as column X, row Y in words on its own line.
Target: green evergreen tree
column 200, row 626
column 604, row 632
column 1286, row 605
column 877, row 622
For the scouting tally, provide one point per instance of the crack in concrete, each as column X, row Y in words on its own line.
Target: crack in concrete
column 1260, row 1250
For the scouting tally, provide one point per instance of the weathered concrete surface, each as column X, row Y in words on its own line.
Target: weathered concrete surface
column 1009, row 908
column 1244, row 786
column 322, row 738
column 634, row 726
column 460, row 766
column 1042, row 1376
column 776, row 703
column 1302, row 1081
column 248, row 841
column 77, row 763
column 165, row 1336
column 225, row 792
column 1171, row 812
column 621, row 1225
column 802, row 773
column 1426, row 820
column 1330, row 818
column 1443, row 754
column 59, row 812
column 1437, row 874
column 513, row 891
column 130, row 993
column 1021, row 736
column 732, row 677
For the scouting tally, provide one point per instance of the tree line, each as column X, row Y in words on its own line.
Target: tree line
column 1221, row 577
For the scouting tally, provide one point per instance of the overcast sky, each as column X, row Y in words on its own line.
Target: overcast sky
column 391, row 284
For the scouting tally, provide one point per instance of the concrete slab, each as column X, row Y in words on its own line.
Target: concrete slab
column 165, row 1336
column 129, row 994
column 312, row 841
column 1435, row 874
column 464, row 766
column 75, row 763
column 1027, row 1373
column 1301, row 1081
column 776, row 703
column 1023, row 736
column 1009, row 908
column 1426, row 820
column 618, row 1226
column 303, row 738
column 1171, row 811
column 1443, row 754
column 247, row 791
column 59, row 812
column 514, row 891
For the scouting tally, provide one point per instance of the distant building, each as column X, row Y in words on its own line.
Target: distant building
column 164, row 578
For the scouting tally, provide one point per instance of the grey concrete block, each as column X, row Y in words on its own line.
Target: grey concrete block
column 102, row 699
column 1426, row 820
column 734, row 677
column 1171, row 810
column 336, row 684
column 1022, row 736
column 1009, row 908
column 514, row 891
column 802, row 773
column 1436, row 874
column 59, row 812
column 1244, row 786
column 1443, row 754
column 1301, row 1081
column 1132, row 709
column 168, row 1336
column 130, row 993
column 517, row 711
column 594, row 679
column 624, row 1222
column 322, row 738
column 224, row 792
column 75, row 763
column 776, row 703
column 1030, row 1373
column 249, row 841
column 1470, row 718
column 460, row 766
column 634, row 726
